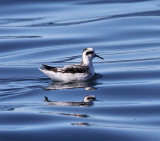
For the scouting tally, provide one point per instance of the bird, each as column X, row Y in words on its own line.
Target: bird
column 87, row 101
column 77, row 72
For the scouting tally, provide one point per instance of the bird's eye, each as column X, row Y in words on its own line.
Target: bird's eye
column 90, row 98
column 89, row 52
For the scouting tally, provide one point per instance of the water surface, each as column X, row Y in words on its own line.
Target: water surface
column 126, row 33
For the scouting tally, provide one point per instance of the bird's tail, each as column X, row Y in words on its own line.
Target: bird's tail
column 46, row 98
column 46, row 67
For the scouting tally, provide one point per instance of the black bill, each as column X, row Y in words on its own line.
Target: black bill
column 98, row 56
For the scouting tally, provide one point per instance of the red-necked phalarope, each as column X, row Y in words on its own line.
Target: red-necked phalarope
column 78, row 72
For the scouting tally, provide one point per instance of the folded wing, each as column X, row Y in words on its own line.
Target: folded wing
column 67, row 69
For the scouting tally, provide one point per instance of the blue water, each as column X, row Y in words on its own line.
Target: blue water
column 126, row 33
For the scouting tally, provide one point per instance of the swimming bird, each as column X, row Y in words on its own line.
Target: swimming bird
column 78, row 72
column 87, row 101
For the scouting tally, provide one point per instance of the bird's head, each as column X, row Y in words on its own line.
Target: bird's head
column 89, row 98
column 88, row 54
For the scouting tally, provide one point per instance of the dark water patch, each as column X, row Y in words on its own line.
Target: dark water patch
column 17, row 120
column 111, row 2
column 90, row 133
column 96, row 19
column 14, row 37
column 8, row 2
column 8, row 21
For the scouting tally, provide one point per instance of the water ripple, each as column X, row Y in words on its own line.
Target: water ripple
column 124, row 32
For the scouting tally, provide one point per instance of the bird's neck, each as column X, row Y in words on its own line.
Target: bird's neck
column 88, row 63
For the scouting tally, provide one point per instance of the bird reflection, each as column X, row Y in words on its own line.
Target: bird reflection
column 68, row 114
column 87, row 85
column 86, row 102
column 81, row 124
column 75, row 115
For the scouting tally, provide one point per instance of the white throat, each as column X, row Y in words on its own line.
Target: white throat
column 86, row 61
